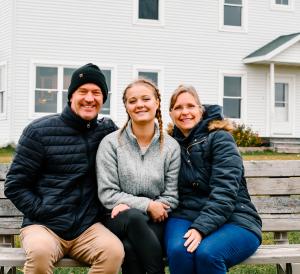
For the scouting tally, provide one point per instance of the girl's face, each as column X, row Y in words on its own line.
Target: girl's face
column 186, row 113
column 141, row 103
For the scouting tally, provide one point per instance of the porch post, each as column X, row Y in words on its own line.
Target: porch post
column 272, row 97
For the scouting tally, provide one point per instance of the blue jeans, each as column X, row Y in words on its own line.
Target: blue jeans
column 224, row 248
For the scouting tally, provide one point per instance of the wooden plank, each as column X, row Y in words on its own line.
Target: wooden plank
column 280, row 222
column 8, row 209
column 2, row 189
column 3, row 170
column 16, row 257
column 288, row 168
column 278, row 204
column 275, row 254
column 274, row 186
column 10, row 225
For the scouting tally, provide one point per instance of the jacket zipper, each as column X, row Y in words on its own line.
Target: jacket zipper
column 197, row 142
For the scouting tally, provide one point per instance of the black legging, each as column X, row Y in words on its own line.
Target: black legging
column 142, row 240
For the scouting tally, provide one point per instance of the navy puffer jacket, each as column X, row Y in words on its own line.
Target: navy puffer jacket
column 212, row 187
column 52, row 178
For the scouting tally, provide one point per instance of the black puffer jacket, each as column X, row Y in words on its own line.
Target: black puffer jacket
column 212, row 187
column 52, row 178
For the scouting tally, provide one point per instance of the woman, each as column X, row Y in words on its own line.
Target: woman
column 137, row 170
column 215, row 225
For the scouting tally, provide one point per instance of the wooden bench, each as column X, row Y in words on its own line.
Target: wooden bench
column 275, row 190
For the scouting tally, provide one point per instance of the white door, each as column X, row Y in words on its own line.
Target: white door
column 282, row 120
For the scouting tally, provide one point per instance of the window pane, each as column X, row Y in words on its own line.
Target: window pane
column 232, row 108
column 1, row 101
column 107, row 74
column 232, row 86
column 46, row 78
column 153, row 76
column 232, row 16
column 282, row 2
column 106, row 107
column 235, row 2
column 46, row 101
column 64, row 98
column 280, row 90
column 148, row 9
column 67, row 77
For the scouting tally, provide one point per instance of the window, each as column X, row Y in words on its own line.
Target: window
column 233, row 15
column 148, row 12
column 153, row 76
column 2, row 88
column 51, row 88
column 282, row 2
column 232, row 97
column 148, row 9
column 283, row 5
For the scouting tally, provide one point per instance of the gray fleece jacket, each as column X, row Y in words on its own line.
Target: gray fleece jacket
column 127, row 175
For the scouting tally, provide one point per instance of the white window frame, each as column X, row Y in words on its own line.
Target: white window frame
column 243, row 75
column 148, row 22
column 244, row 21
column 60, row 66
column 280, row 7
column 3, row 89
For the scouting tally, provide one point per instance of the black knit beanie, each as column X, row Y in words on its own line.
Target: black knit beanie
column 88, row 73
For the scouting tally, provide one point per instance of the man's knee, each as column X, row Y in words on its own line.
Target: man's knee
column 39, row 260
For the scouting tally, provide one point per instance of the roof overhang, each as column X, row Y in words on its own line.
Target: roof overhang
column 265, row 54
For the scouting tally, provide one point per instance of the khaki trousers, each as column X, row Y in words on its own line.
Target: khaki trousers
column 96, row 246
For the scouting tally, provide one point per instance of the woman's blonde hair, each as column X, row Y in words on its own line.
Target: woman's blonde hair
column 185, row 89
column 158, row 115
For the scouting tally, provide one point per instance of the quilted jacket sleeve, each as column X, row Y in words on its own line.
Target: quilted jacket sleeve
column 23, row 173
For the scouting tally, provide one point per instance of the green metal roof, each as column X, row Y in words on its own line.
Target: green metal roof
column 279, row 41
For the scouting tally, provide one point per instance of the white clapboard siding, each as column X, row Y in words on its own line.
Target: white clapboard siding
column 189, row 48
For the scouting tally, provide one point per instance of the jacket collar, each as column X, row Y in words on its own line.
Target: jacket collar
column 75, row 121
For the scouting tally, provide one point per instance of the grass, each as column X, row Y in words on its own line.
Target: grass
column 6, row 154
column 294, row 237
column 269, row 155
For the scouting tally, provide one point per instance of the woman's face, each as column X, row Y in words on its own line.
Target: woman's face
column 186, row 113
column 141, row 104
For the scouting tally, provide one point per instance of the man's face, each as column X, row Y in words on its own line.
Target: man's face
column 87, row 101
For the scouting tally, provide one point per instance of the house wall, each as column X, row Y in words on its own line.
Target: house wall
column 5, row 62
column 189, row 48
column 291, row 55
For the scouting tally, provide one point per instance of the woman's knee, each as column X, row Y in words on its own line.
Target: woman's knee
column 135, row 217
column 207, row 258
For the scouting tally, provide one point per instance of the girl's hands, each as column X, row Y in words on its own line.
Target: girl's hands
column 117, row 209
column 193, row 239
column 158, row 211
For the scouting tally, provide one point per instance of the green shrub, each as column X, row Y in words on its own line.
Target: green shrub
column 245, row 137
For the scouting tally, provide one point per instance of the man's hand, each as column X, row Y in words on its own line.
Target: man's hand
column 117, row 209
column 193, row 239
column 158, row 211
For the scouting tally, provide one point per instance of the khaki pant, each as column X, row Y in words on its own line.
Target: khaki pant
column 96, row 246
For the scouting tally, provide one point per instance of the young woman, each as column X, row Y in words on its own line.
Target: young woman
column 215, row 225
column 137, row 170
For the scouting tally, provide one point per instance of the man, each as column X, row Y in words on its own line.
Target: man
column 52, row 181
